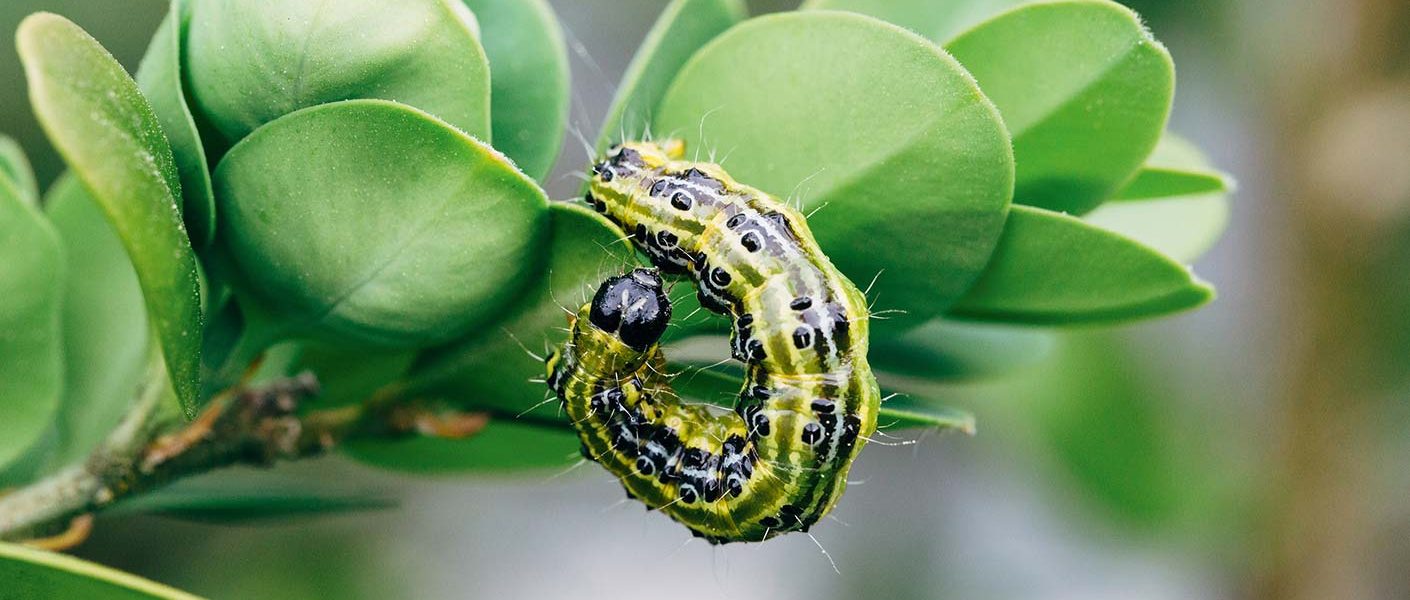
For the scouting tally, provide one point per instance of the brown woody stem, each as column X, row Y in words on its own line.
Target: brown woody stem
column 256, row 426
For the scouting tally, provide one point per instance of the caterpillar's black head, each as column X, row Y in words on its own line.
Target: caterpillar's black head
column 634, row 307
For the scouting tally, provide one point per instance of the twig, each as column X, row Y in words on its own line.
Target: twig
column 254, row 426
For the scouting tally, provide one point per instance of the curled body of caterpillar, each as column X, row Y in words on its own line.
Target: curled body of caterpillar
column 778, row 463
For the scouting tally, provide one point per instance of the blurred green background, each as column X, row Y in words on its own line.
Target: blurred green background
column 1254, row 449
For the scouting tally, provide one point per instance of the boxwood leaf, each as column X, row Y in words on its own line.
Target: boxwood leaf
column 105, row 329
column 1180, row 227
column 905, row 412
column 31, row 574
column 882, row 131
column 14, row 165
column 239, row 507
column 1084, row 89
column 683, row 27
column 349, row 375
column 1177, row 204
column 105, row 130
column 249, row 67
column 1175, row 168
column 529, row 90
column 948, row 350
column 1051, row 268
column 159, row 78
column 31, row 281
column 371, row 221
column 502, row 446
column 935, row 20
column 493, row 369
column 1154, row 181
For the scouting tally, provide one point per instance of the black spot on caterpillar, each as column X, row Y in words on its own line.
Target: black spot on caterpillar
column 778, row 463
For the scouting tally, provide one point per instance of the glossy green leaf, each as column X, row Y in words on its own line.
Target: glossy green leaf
column 249, row 67
column 234, row 507
column 31, row 281
column 529, row 91
column 1180, row 227
column 159, row 77
column 105, row 329
column 1160, row 182
column 14, row 165
column 503, row 446
column 681, row 29
column 957, row 351
column 375, row 222
column 33, row 463
column 905, row 412
column 1084, row 89
column 888, row 138
column 1051, row 268
column 1127, row 439
column 497, row 369
column 1128, row 467
column 935, row 20
column 1177, row 204
column 350, row 375
column 107, row 133
column 1175, row 168
column 30, row 574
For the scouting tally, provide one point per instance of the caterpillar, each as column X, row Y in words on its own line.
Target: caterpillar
column 778, row 462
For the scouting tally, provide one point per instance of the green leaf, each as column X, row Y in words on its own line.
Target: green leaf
column 1175, row 168
column 1177, row 204
column 503, row 446
column 1160, row 182
column 935, row 20
column 1084, row 89
column 14, row 165
column 38, row 575
column 31, row 279
column 1051, row 268
column 529, row 91
column 956, row 351
column 492, row 370
column 159, row 78
column 681, row 29
column 1117, row 431
column 904, row 412
column 1180, row 227
column 349, row 375
column 374, row 222
column 106, row 132
column 33, row 463
column 884, row 133
column 106, row 336
column 249, row 67
column 234, row 507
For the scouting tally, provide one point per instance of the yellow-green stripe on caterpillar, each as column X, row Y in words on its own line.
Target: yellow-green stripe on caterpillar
column 779, row 462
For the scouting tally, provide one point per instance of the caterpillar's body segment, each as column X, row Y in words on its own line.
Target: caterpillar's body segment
column 776, row 464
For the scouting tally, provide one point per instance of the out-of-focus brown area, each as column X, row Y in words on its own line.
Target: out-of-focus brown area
column 1338, row 106
column 1258, row 449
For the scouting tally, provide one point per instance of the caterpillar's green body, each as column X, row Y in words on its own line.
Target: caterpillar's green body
column 779, row 462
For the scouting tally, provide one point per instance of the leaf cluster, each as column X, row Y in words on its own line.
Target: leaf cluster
column 356, row 187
